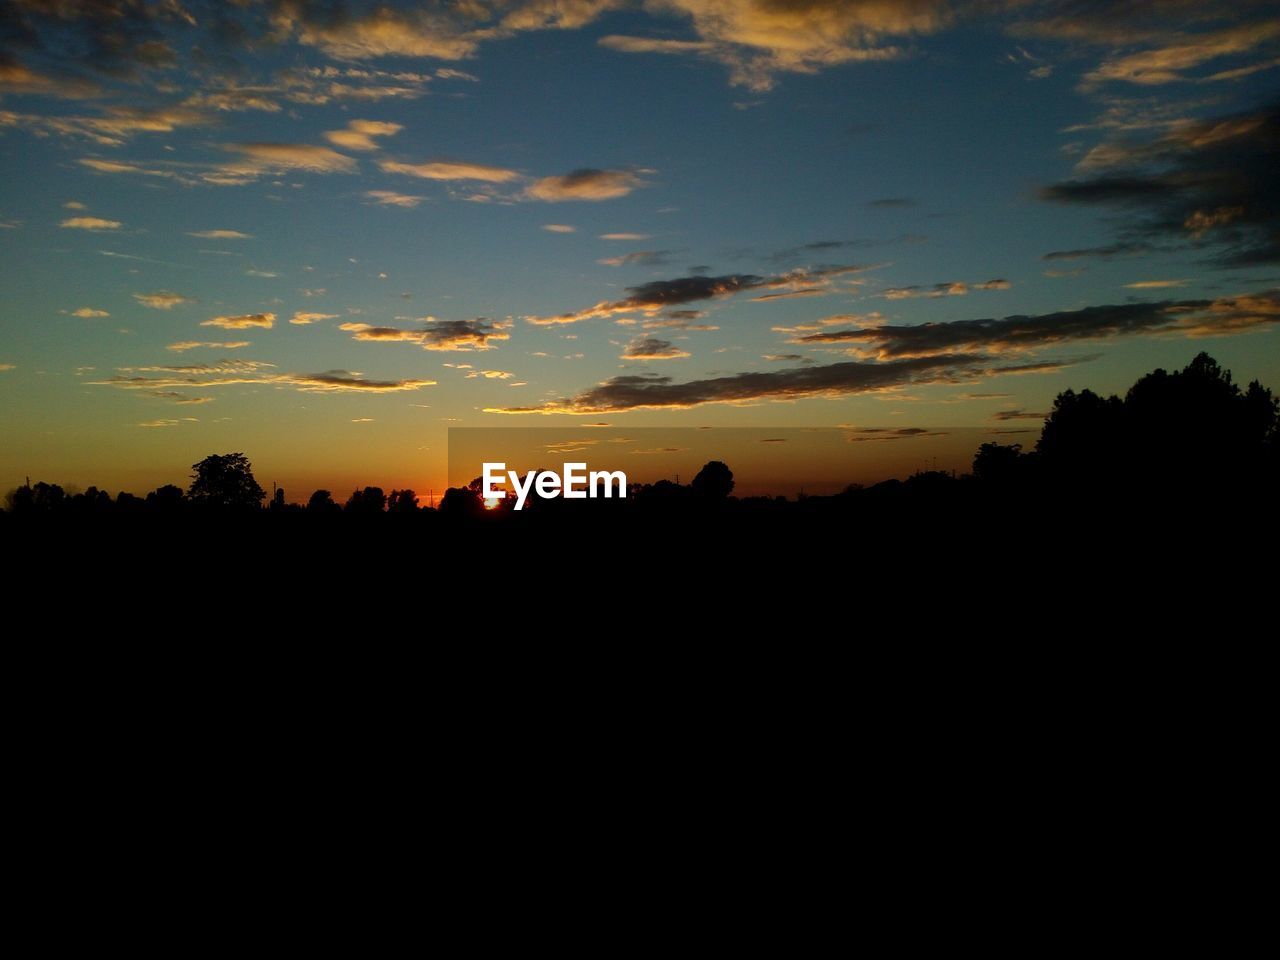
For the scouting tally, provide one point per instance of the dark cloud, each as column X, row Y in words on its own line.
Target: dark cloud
column 1206, row 184
column 443, row 335
column 117, row 38
column 651, row 348
column 1106, row 252
column 1186, row 318
column 1017, row 415
column 652, row 297
column 876, row 434
column 651, row 391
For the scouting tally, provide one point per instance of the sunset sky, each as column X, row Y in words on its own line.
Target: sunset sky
column 324, row 233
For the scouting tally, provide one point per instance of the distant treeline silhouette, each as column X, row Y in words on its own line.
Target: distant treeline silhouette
column 1188, row 437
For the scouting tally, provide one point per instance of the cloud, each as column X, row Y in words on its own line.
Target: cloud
column 950, row 289
column 654, row 392
column 162, row 300
column 274, row 158
column 585, row 184
column 489, row 375
column 442, row 335
column 650, row 298
column 244, row 322
column 1171, row 61
column 882, row 434
column 1155, row 284
column 90, row 223
column 558, row 228
column 651, row 348
column 160, row 423
column 787, row 358
column 116, row 166
column 74, row 205
column 1208, row 183
column 6, row 367
column 382, row 31
column 89, row 312
column 359, row 134
column 18, row 78
column 641, row 257
column 443, row 170
column 184, row 345
column 389, row 198
column 302, row 318
column 1184, row 318
column 1004, row 415
column 757, row 39
column 624, row 236
column 174, row 397
column 233, row 373
column 220, row 235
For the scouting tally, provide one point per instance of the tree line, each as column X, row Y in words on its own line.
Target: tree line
column 1189, row 432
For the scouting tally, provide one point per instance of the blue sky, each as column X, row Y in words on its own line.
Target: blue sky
column 681, row 213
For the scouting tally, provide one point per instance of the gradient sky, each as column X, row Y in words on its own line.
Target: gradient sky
column 322, row 233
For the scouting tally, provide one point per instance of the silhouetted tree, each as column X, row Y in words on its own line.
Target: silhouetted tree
column 997, row 462
column 167, row 498
column 460, row 502
column 322, row 502
column 714, row 481
column 402, row 501
column 1083, row 433
column 366, row 502
column 225, row 481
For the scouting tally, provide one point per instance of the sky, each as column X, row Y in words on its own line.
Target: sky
column 323, row 234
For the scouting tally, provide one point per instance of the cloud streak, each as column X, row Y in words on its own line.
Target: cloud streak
column 654, row 392
column 651, row 298
column 1184, row 318
column 246, row 321
column 453, row 336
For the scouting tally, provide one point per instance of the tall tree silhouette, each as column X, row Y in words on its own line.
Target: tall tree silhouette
column 225, row 481
column 714, row 481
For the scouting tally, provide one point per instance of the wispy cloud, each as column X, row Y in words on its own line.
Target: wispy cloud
column 1184, row 318
column 758, row 39
column 162, row 299
column 184, row 345
column 229, row 373
column 302, row 318
column 442, row 335
column 946, row 289
column 244, row 322
column 654, row 392
column 651, row 348
column 448, row 170
column 585, row 184
column 647, row 258
column 360, row 134
column 389, row 198
column 220, row 235
column 651, row 298
column 96, row 224
column 89, row 312
column 558, row 228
